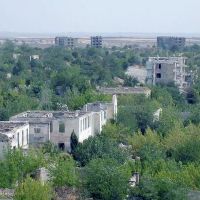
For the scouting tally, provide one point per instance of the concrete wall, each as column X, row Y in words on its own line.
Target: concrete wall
column 167, row 73
column 85, row 127
column 38, row 137
column 3, row 147
column 42, row 123
column 20, row 137
column 79, row 125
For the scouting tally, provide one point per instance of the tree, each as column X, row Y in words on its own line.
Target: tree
column 130, row 81
column 188, row 151
column 16, row 165
column 73, row 142
column 45, row 98
column 107, row 180
column 159, row 189
column 63, row 172
column 31, row 189
column 99, row 147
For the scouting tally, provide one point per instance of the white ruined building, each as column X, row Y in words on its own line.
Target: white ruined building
column 13, row 134
column 57, row 126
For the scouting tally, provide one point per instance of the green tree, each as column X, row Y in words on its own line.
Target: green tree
column 63, row 172
column 107, row 180
column 99, row 147
column 16, row 165
column 73, row 142
column 159, row 189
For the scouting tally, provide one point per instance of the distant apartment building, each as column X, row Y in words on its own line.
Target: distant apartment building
column 66, row 42
column 57, row 126
column 13, row 135
column 96, row 41
column 166, row 70
column 170, row 43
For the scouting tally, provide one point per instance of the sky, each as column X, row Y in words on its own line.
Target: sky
column 100, row 16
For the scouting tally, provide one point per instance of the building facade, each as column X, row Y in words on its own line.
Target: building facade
column 170, row 43
column 166, row 70
column 66, row 42
column 13, row 135
column 102, row 112
column 57, row 126
column 96, row 41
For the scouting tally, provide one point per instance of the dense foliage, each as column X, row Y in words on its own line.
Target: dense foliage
column 163, row 150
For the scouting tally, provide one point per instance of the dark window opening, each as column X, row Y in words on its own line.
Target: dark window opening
column 159, row 66
column 18, row 140
column 158, row 75
column 61, row 127
column 51, row 127
column 37, row 130
column 61, row 146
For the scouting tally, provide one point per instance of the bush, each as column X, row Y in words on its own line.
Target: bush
column 63, row 172
column 33, row 190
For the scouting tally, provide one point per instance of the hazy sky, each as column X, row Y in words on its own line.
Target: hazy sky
column 51, row 16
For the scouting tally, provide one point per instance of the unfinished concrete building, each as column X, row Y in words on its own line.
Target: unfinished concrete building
column 166, row 70
column 57, row 126
column 13, row 135
column 96, row 41
column 170, row 43
column 68, row 42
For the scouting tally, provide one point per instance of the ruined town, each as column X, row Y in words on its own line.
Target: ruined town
column 99, row 100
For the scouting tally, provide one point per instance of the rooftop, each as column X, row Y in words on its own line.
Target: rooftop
column 37, row 114
column 95, row 107
column 167, row 59
column 125, row 90
column 7, row 126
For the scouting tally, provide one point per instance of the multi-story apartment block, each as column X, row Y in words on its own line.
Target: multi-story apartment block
column 165, row 70
column 57, row 126
column 96, row 41
column 13, row 134
column 66, row 42
column 170, row 43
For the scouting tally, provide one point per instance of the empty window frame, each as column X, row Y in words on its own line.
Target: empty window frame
column 22, row 138
column 61, row 127
column 37, row 130
column 158, row 75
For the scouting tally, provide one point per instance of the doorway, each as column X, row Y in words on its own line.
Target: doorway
column 61, row 146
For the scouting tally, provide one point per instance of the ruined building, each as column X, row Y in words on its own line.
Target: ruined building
column 166, row 70
column 96, row 41
column 57, row 126
column 170, row 43
column 66, row 42
column 13, row 134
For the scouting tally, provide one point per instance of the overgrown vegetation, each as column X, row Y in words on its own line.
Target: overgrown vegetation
column 164, row 151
